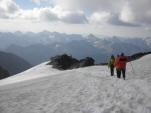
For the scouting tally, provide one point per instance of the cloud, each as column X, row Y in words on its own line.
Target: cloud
column 73, row 18
column 70, row 16
column 141, row 10
column 102, row 11
column 49, row 14
column 39, row 1
column 115, row 20
column 89, row 5
column 126, row 14
column 28, row 14
column 8, row 8
column 129, row 12
column 2, row 14
column 38, row 14
column 109, row 18
column 99, row 17
column 121, row 13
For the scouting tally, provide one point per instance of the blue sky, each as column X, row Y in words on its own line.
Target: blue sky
column 28, row 4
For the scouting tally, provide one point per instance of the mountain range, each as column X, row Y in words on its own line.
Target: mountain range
column 39, row 47
column 13, row 63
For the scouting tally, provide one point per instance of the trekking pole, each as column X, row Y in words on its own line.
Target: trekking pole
column 132, row 69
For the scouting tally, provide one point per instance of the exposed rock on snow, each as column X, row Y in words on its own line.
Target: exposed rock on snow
column 83, row 90
column 3, row 73
column 64, row 62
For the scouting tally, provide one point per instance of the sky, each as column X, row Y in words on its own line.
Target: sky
column 128, row 18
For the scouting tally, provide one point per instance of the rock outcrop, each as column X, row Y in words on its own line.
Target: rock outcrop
column 64, row 62
column 3, row 73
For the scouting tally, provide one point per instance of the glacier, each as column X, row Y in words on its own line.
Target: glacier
column 43, row 89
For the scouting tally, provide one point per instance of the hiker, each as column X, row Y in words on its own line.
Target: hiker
column 121, row 65
column 111, row 65
column 116, row 66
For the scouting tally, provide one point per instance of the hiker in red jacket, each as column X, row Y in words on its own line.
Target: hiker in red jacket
column 120, row 65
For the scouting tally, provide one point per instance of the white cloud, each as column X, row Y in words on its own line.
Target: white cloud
column 73, row 17
column 38, row 14
column 49, row 14
column 127, row 14
column 70, row 16
column 99, row 17
column 126, row 11
column 122, row 14
column 115, row 20
column 28, row 14
column 109, row 18
column 90, row 5
column 141, row 10
column 2, row 13
column 8, row 8
column 39, row 1
column 100, row 11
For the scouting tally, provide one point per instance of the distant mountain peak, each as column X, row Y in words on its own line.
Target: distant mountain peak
column 91, row 36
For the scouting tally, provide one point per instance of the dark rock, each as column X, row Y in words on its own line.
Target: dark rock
column 132, row 57
column 88, row 61
column 63, row 62
column 3, row 73
column 138, row 55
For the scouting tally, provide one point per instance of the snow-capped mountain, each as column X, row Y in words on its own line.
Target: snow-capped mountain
column 39, row 47
column 84, row 90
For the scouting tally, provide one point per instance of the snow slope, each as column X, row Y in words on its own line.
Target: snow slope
column 84, row 90
column 39, row 71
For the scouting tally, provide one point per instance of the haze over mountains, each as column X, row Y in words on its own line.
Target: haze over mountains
column 12, row 63
column 39, row 47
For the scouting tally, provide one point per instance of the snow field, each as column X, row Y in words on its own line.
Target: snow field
column 84, row 90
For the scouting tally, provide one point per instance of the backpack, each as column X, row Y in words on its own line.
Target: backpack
column 111, row 62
